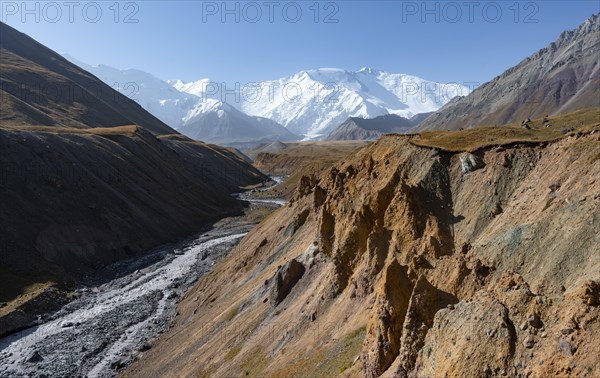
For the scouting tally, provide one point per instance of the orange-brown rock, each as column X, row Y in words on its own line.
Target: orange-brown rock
column 410, row 274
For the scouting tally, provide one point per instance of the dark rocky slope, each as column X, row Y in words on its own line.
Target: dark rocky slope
column 40, row 87
column 355, row 128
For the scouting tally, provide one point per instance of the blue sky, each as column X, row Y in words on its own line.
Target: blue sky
column 251, row 41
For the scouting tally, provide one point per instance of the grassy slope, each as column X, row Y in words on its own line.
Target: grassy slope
column 306, row 158
column 473, row 139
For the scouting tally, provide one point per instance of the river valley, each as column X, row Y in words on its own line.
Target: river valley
column 119, row 310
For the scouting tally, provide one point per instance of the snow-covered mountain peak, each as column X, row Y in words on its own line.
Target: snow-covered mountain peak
column 369, row 70
column 193, row 112
column 310, row 102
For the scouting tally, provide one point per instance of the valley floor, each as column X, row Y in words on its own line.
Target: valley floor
column 122, row 308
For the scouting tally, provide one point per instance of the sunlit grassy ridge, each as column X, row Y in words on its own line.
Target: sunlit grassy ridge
column 117, row 130
column 472, row 139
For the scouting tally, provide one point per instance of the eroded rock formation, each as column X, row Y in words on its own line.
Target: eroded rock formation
column 413, row 271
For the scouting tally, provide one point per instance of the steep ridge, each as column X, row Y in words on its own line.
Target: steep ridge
column 562, row 77
column 370, row 128
column 413, row 262
column 158, row 97
column 40, row 87
column 418, row 118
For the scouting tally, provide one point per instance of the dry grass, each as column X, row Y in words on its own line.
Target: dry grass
column 232, row 313
column 305, row 158
column 254, row 363
column 18, row 289
column 328, row 362
column 117, row 130
column 179, row 137
column 473, row 139
column 232, row 353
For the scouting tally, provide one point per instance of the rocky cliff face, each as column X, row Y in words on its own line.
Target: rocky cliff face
column 562, row 77
column 416, row 264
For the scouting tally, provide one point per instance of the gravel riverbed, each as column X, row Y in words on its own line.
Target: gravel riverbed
column 118, row 312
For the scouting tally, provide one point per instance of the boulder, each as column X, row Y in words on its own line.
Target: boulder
column 565, row 347
column 285, row 279
column 496, row 210
column 469, row 163
column 535, row 321
column 34, row 357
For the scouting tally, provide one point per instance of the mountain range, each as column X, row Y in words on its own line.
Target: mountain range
column 218, row 122
column 468, row 253
column 439, row 253
column 205, row 119
column 313, row 102
column 309, row 103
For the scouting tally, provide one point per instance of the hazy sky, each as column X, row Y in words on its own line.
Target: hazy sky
column 447, row 41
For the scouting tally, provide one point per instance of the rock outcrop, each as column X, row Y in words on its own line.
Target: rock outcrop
column 387, row 319
column 287, row 276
